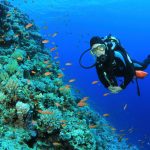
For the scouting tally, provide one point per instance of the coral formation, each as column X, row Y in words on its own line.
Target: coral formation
column 38, row 110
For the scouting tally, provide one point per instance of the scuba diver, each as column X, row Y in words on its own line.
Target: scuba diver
column 112, row 61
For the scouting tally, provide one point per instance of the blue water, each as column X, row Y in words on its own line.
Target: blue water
column 76, row 21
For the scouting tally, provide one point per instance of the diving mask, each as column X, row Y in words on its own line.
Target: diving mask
column 98, row 47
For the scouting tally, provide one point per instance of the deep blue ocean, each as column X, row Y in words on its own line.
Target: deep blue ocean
column 76, row 21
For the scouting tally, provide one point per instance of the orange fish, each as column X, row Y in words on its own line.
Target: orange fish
column 47, row 73
column 63, row 125
column 54, row 34
column 68, row 64
column 140, row 74
column 33, row 72
column 57, row 104
column 20, row 58
column 95, row 82
column 56, row 144
column 45, row 41
column 92, row 126
column 106, row 115
column 72, row 80
column 63, row 120
column 45, row 112
column 48, row 66
column 85, row 98
column 61, row 88
column 64, row 88
column 60, row 75
column 28, row 25
column 82, row 104
column 106, row 94
column 53, row 48
column 67, row 86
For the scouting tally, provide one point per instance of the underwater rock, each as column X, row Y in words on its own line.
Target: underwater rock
column 38, row 110
column 22, row 108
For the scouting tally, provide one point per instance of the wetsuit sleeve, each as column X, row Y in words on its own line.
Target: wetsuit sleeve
column 129, row 71
column 105, row 78
column 102, row 78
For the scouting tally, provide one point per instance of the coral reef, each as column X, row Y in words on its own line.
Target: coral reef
column 38, row 110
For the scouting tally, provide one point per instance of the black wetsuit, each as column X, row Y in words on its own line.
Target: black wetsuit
column 118, row 64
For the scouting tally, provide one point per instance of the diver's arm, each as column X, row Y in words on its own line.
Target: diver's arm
column 128, row 76
column 129, row 72
column 102, row 78
column 105, row 78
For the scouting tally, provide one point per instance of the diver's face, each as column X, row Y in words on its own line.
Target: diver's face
column 98, row 49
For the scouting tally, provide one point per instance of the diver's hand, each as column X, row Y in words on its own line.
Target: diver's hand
column 115, row 89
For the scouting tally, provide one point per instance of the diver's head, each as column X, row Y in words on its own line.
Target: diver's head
column 98, row 47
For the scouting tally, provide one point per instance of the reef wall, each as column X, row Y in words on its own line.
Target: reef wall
column 38, row 110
